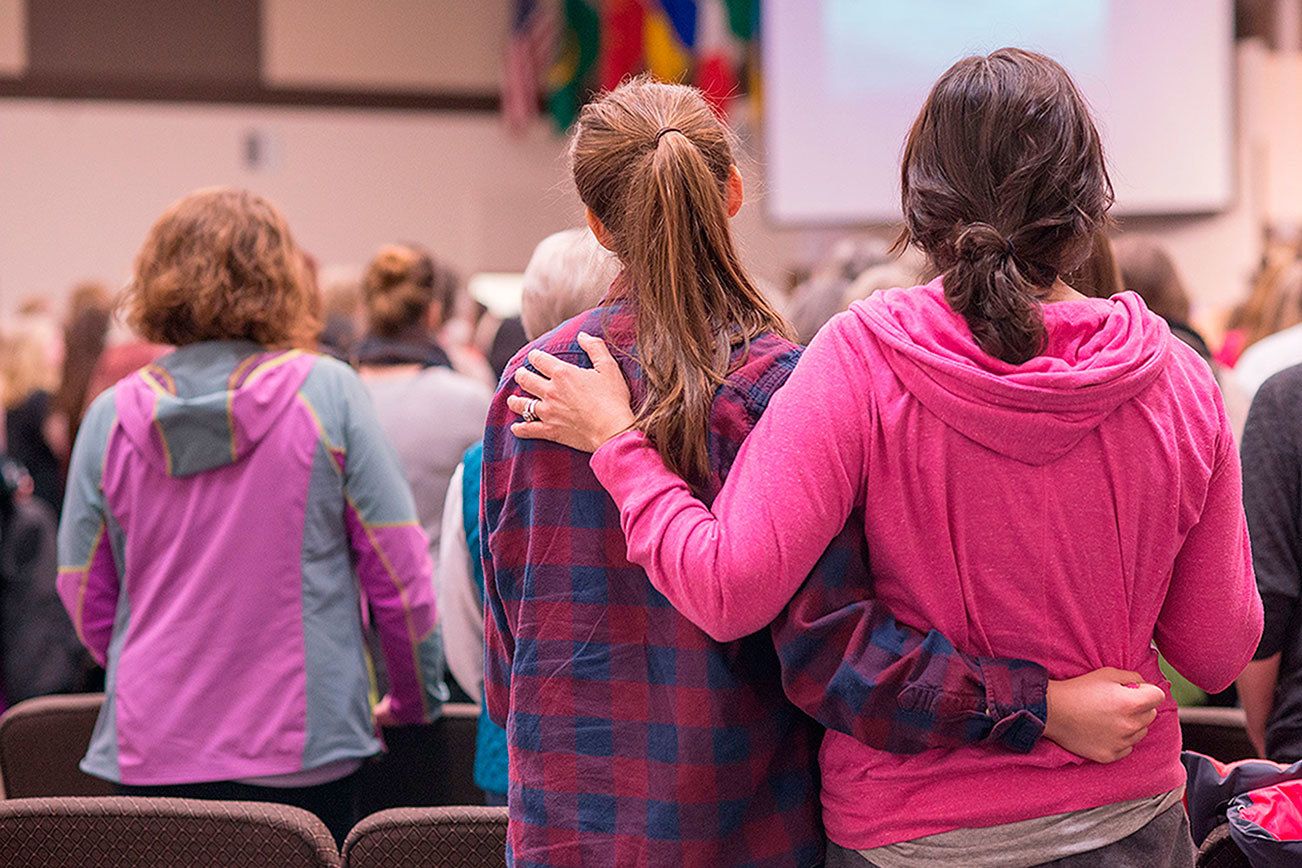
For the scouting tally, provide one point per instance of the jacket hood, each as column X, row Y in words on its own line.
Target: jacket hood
column 1100, row 354
column 208, row 405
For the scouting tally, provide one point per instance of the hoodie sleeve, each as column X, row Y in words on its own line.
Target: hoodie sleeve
column 393, row 560
column 730, row 569
column 1211, row 620
column 88, row 580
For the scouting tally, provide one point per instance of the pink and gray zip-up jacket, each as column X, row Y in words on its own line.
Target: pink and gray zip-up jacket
column 228, row 510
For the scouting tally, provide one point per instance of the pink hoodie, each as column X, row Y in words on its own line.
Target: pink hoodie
column 1072, row 511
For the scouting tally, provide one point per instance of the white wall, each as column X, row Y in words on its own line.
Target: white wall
column 81, row 183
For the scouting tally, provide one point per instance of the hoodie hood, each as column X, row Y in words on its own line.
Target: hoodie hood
column 1100, row 354
column 208, row 405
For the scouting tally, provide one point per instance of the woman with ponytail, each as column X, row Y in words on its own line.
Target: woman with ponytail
column 636, row 738
column 1038, row 474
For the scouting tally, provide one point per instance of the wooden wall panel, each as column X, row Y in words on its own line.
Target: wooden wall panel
column 385, row 45
column 196, row 42
column 13, row 37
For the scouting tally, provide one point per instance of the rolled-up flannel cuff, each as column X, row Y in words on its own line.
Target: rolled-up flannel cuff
column 1016, row 702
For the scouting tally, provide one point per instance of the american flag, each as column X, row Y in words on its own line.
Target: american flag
column 528, row 54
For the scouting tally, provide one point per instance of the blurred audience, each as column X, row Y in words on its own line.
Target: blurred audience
column 90, row 311
column 888, row 275
column 1271, row 687
column 430, row 413
column 822, row 295
column 1146, row 268
column 1099, row 276
column 243, row 492
column 1274, row 339
column 568, row 273
column 125, row 352
column 31, row 357
column 342, row 317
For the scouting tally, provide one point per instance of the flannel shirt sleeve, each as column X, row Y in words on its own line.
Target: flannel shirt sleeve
column 847, row 663
column 499, row 639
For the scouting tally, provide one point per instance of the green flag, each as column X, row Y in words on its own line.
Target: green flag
column 580, row 46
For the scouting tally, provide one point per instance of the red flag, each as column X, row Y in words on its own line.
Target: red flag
column 621, row 41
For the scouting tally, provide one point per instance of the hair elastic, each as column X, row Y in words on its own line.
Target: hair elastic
column 667, row 130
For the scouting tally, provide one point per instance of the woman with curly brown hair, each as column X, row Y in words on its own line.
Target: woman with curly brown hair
column 227, row 507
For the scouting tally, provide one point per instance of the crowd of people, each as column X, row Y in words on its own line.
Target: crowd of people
column 723, row 598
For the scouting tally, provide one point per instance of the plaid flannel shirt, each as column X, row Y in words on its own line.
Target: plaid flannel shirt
column 635, row 739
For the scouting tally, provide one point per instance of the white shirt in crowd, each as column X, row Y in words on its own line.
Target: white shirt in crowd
column 461, row 611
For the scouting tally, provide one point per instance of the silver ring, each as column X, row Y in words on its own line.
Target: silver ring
column 529, row 415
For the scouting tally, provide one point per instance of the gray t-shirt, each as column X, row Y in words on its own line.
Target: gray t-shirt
column 431, row 416
column 1272, row 499
column 1029, row 842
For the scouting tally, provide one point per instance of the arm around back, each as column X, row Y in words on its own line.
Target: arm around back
column 731, row 568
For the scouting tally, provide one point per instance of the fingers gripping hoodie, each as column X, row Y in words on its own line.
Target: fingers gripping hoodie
column 1081, row 510
column 229, row 509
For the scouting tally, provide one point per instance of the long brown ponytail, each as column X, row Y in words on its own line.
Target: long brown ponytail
column 652, row 162
column 1004, row 186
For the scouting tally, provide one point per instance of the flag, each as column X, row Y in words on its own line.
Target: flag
column 670, row 38
column 724, row 41
column 580, row 44
column 528, row 52
column 621, row 40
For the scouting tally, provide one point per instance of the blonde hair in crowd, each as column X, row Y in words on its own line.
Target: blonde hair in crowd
column 30, row 347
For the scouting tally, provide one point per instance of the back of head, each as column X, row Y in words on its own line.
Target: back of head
column 1146, row 269
column 220, row 264
column 1003, row 186
column 30, row 350
column 568, row 273
column 888, row 275
column 1280, row 303
column 1098, row 276
column 401, row 285
column 653, row 163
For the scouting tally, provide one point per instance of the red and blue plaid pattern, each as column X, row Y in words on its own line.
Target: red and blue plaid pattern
column 634, row 738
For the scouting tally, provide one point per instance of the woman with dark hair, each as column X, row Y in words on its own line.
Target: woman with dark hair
column 1147, row 269
column 228, row 506
column 1099, row 276
column 90, row 310
column 635, row 736
column 1040, row 475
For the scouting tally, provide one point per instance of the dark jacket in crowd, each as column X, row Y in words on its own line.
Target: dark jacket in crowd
column 1272, row 498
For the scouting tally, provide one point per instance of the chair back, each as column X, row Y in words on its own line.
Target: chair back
column 429, row 838
column 1221, row 733
column 127, row 832
column 42, row 742
column 426, row 766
